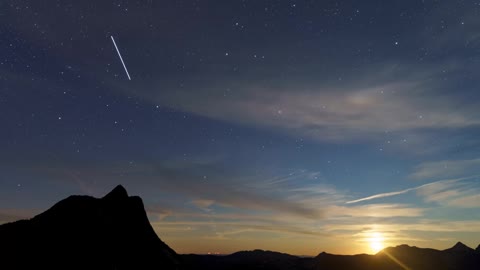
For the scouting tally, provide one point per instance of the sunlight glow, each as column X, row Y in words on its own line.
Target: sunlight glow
column 376, row 242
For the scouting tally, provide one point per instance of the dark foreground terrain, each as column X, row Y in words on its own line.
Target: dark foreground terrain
column 82, row 232
column 113, row 232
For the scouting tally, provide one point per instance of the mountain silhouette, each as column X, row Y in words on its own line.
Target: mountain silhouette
column 403, row 257
column 459, row 247
column 82, row 232
column 113, row 232
column 252, row 260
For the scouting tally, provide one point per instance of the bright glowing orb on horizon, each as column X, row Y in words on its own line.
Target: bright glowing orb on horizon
column 376, row 242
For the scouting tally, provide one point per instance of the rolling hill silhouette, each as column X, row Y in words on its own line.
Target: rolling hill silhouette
column 113, row 232
column 402, row 257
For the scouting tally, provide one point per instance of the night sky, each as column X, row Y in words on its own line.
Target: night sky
column 295, row 126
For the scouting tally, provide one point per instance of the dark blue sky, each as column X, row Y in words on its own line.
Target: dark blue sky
column 287, row 125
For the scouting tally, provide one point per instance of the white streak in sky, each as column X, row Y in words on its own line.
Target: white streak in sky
column 394, row 193
column 383, row 195
column 121, row 59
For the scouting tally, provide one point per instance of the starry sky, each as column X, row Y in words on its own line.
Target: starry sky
column 295, row 126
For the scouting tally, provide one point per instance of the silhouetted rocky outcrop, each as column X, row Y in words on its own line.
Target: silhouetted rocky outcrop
column 83, row 232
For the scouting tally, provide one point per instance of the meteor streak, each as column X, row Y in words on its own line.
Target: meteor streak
column 121, row 59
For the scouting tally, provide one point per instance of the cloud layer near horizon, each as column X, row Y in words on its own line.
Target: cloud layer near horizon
column 285, row 206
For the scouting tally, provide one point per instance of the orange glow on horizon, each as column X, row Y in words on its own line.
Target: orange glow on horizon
column 376, row 242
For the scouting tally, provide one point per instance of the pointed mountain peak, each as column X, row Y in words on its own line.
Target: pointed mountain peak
column 119, row 192
column 322, row 254
column 460, row 247
column 478, row 248
column 115, row 230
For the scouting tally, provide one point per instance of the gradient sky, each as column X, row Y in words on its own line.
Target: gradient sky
column 295, row 126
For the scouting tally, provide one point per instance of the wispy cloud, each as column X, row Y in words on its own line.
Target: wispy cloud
column 203, row 204
column 429, row 191
column 422, row 225
column 457, row 195
column 460, row 192
column 469, row 201
column 434, row 185
column 356, row 108
column 382, row 195
column 446, row 168
column 246, row 227
column 376, row 210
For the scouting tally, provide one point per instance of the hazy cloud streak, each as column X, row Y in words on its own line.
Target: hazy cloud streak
column 395, row 193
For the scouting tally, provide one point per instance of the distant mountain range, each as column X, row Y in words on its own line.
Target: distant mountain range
column 403, row 257
column 113, row 232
